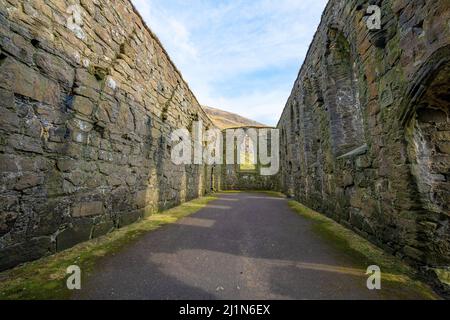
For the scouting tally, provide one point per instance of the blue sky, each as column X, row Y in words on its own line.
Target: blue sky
column 241, row 56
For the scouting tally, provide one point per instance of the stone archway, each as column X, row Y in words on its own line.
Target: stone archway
column 426, row 116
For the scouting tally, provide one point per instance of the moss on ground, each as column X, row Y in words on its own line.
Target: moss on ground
column 362, row 253
column 46, row 278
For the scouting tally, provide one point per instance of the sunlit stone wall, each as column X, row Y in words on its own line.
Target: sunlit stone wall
column 88, row 100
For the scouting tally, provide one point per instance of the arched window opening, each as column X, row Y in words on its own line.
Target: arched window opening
column 428, row 136
column 248, row 154
column 342, row 96
column 309, row 127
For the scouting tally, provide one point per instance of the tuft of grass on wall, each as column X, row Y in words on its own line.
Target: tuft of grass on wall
column 363, row 253
column 45, row 279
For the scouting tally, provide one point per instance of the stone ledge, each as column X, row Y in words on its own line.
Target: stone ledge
column 362, row 150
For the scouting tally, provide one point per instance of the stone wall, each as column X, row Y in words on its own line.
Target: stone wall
column 366, row 131
column 235, row 177
column 88, row 99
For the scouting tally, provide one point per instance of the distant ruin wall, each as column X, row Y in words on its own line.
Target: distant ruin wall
column 235, row 177
column 365, row 134
column 88, row 99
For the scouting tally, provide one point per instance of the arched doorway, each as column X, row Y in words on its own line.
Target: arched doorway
column 426, row 116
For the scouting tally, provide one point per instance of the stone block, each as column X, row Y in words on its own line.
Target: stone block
column 102, row 228
column 67, row 165
column 24, row 143
column 84, row 78
column 85, row 209
column 82, row 105
column 51, row 213
column 127, row 218
column 76, row 177
column 7, row 99
column 444, row 147
column 8, row 163
column 9, row 120
column 18, row 47
column 78, row 232
column 363, row 162
column 113, row 181
column 26, row 251
column 141, row 199
column 87, row 92
column 50, row 114
column 23, row 80
column 28, row 180
column 89, row 6
column 55, row 67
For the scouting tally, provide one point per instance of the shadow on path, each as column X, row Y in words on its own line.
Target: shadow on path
column 241, row 246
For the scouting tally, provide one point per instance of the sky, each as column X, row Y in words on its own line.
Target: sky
column 241, row 56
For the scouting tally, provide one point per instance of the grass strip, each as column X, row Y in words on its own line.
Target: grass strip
column 363, row 253
column 45, row 279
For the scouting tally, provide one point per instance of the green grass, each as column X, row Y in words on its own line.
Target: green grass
column 46, row 278
column 395, row 273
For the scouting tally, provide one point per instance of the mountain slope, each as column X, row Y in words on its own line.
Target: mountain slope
column 224, row 120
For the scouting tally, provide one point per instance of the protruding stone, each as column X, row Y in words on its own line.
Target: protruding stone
column 28, row 180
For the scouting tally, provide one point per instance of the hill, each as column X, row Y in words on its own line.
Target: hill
column 224, row 120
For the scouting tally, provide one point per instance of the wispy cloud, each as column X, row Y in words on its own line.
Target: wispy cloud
column 238, row 55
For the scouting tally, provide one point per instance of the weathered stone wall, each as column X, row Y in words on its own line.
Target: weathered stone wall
column 235, row 179
column 88, row 99
column 366, row 131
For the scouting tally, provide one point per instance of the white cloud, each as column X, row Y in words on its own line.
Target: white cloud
column 241, row 56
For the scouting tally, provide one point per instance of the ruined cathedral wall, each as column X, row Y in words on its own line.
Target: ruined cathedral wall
column 251, row 180
column 365, row 134
column 235, row 177
column 88, row 100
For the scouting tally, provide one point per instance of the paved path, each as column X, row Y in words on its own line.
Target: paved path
column 241, row 246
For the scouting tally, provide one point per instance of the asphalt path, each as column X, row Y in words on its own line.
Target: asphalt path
column 240, row 246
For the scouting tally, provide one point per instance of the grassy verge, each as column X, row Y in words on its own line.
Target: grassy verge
column 46, row 278
column 395, row 272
